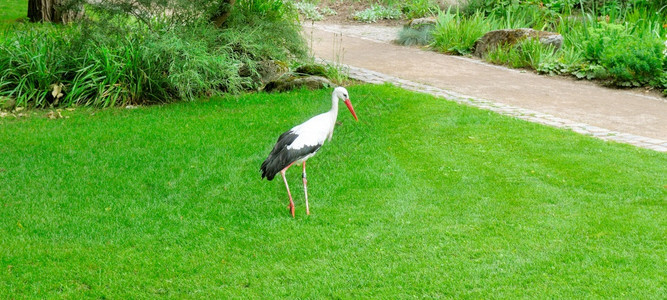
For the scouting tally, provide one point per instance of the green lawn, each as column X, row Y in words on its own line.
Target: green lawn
column 10, row 10
column 421, row 197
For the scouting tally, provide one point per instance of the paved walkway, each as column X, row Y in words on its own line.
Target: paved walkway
column 609, row 114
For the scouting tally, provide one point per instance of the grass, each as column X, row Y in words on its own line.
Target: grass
column 11, row 10
column 422, row 197
column 528, row 53
column 415, row 36
column 456, row 33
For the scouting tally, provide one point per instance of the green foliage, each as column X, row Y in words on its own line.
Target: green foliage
column 309, row 10
column 629, row 59
column 529, row 53
column 337, row 73
column 456, row 33
column 30, row 64
column 143, row 67
column 601, row 7
column 266, row 10
column 623, row 46
column 174, row 13
column 661, row 82
column 259, row 38
column 415, row 36
column 327, row 11
column 166, row 202
column 419, row 8
column 376, row 13
column 12, row 10
column 567, row 60
column 486, row 7
column 120, row 60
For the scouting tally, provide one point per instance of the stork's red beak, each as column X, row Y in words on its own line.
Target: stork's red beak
column 349, row 106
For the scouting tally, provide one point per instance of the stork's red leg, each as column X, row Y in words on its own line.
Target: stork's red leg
column 305, row 187
column 291, row 203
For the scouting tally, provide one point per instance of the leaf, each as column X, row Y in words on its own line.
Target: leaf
column 56, row 90
column 54, row 114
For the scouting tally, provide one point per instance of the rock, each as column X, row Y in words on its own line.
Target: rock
column 422, row 22
column 492, row 39
column 272, row 69
column 312, row 69
column 267, row 71
column 289, row 83
column 7, row 103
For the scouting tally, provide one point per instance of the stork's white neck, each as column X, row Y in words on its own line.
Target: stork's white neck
column 334, row 107
column 333, row 115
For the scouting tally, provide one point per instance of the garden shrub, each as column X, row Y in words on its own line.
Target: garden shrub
column 629, row 59
column 376, row 13
column 125, row 61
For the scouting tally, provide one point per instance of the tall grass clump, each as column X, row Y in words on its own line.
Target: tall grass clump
column 30, row 64
column 142, row 67
column 421, row 36
column 456, row 33
column 529, row 53
column 120, row 60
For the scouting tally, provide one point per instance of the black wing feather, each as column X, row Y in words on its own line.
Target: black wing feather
column 281, row 157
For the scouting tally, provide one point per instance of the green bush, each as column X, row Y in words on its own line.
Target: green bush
column 122, row 61
column 661, row 82
column 376, row 13
column 628, row 58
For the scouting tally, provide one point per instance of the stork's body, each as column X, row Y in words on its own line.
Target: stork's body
column 302, row 142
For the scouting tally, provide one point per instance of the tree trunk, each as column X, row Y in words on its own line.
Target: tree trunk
column 226, row 10
column 55, row 11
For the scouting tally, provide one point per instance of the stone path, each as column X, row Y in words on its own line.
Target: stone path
column 608, row 114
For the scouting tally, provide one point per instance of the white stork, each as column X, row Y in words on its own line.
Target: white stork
column 302, row 142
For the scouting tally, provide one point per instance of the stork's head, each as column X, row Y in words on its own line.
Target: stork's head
column 341, row 93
